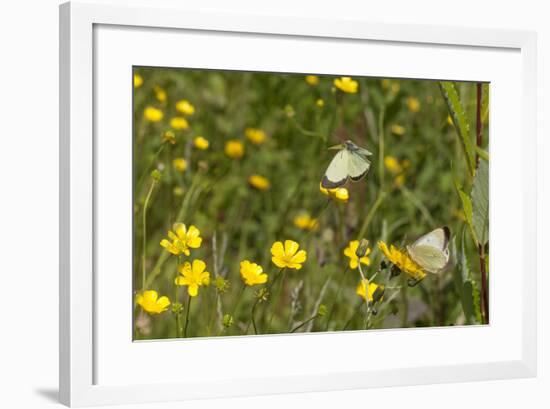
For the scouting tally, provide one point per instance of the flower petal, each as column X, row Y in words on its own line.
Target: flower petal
column 193, row 290
column 299, row 257
column 278, row 262
column 291, row 247
column 180, row 230
column 193, row 232
column 277, row 250
column 198, row 266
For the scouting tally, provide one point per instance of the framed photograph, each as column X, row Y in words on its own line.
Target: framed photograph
column 255, row 204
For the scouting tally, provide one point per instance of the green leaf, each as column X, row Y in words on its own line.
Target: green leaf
column 467, row 287
column 468, row 210
column 480, row 203
column 483, row 154
column 460, row 121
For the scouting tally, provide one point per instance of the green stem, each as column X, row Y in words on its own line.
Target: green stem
column 144, row 242
column 187, row 316
column 379, row 200
column 381, row 147
column 296, row 328
column 355, row 311
column 340, row 285
column 148, row 168
column 276, row 299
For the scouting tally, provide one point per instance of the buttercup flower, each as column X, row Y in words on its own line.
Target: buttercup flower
column 252, row 273
column 169, row 137
column 351, row 250
column 138, row 80
column 153, row 114
column 340, row 194
column 178, row 191
column 160, row 93
column 234, row 149
column 254, row 135
column 402, row 261
column 179, row 123
column 320, row 103
column 181, row 239
column 393, row 165
column 179, row 164
column 150, row 302
column 185, row 107
column 259, row 182
column 312, row 79
column 413, row 104
column 398, row 130
column 346, row 84
column 288, row 256
column 367, row 295
column 305, row 222
column 201, row 143
column 193, row 276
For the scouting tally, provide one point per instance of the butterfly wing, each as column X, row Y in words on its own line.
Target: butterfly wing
column 431, row 251
column 429, row 258
column 337, row 172
column 358, row 166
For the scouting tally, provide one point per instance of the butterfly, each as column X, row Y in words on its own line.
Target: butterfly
column 351, row 162
column 431, row 251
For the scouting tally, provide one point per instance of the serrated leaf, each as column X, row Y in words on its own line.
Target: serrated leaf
column 484, row 103
column 465, row 283
column 480, row 203
column 460, row 121
column 468, row 210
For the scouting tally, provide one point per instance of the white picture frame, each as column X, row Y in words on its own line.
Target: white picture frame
column 79, row 162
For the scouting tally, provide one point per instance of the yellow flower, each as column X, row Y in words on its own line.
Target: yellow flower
column 350, row 251
column 386, row 83
column 340, row 194
column 254, row 135
column 179, row 164
column 234, row 149
column 160, row 93
column 402, row 261
column 288, row 256
column 201, row 143
column 398, row 130
column 193, row 276
column 413, row 104
column 393, row 165
column 153, row 114
column 169, row 137
column 449, row 120
column 252, row 273
column 312, row 79
column 179, row 123
column 181, row 239
column 346, row 84
column 138, row 80
column 259, row 182
column 150, row 302
column 178, row 191
column 305, row 222
column 399, row 180
column 362, row 290
column 395, row 87
column 320, row 103
column 185, row 107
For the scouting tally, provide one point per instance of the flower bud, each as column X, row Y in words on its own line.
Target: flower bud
column 227, row 320
column 322, row 311
column 155, row 174
column 362, row 248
